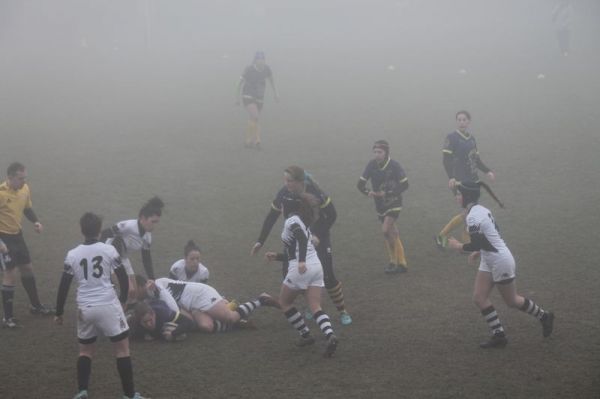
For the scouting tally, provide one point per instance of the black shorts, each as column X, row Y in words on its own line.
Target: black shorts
column 390, row 208
column 252, row 100
column 18, row 254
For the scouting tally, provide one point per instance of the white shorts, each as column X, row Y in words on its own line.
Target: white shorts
column 200, row 297
column 313, row 277
column 501, row 265
column 109, row 320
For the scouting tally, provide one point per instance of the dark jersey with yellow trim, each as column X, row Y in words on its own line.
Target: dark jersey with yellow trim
column 465, row 156
column 255, row 81
column 389, row 178
column 322, row 199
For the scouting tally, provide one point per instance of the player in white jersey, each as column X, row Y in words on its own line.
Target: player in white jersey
column 189, row 268
column 99, row 309
column 207, row 307
column 305, row 273
column 136, row 235
column 496, row 267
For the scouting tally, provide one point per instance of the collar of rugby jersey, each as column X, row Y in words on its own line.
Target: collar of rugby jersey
column 90, row 241
column 385, row 164
column 141, row 228
column 466, row 135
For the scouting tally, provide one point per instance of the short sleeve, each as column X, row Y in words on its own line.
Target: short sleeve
column 68, row 268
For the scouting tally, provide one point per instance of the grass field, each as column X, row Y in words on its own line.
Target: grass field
column 107, row 138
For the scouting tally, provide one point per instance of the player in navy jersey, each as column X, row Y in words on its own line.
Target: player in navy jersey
column 496, row 267
column 305, row 273
column 135, row 235
column 297, row 181
column 461, row 161
column 189, row 268
column 99, row 309
column 155, row 318
column 388, row 182
column 251, row 90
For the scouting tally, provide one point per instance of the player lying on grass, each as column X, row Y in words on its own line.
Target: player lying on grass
column 496, row 268
column 209, row 310
column 154, row 319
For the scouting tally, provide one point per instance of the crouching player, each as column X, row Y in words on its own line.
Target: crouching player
column 154, row 319
column 99, row 310
column 208, row 308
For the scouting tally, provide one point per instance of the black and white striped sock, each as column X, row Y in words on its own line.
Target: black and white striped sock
column 324, row 323
column 491, row 317
column 219, row 326
column 245, row 309
column 533, row 309
column 297, row 321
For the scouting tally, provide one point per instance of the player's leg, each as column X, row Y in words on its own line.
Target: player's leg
column 9, row 278
column 28, row 281
column 332, row 284
column 390, row 243
column 287, row 296
column 84, row 366
column 252, row 129
column 313, row 297
column 124, row 365
column 508, row 291
column 399, row 247
column 481, row 297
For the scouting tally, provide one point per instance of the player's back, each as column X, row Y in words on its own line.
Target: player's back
column 91, row 264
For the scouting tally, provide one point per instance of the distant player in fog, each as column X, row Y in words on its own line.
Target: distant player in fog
column 251, row 91
column 561, row 17
column 496, row 267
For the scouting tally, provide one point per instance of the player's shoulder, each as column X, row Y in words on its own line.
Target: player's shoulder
column 178, row 265
column 477, row 214
column 128, row 226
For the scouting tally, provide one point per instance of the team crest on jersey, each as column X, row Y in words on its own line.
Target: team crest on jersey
column 213, row 300
column 6, row 258
column 474, row 229
column 288, row 280
column 122, row 323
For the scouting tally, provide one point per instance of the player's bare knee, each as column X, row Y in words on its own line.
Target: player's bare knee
column 206, row 325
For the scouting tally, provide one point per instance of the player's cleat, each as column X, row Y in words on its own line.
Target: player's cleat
column 81, row 395
column 136, row 396
column 332, row 343
column 547, row 324
column 267, row 300
column 345, row 318
column 308, row 315
column 42, row 310
column 305, row 341
column 391, row 269
column 402, row 269
column 441, row 242
column 495, row 341
column 9, row 323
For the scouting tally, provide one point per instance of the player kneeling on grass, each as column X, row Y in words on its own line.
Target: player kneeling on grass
column 496, row 268
column 210, row 311
column 305, row 273
column 99, row 308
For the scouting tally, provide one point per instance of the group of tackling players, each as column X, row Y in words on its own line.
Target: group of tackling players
column 168, row 308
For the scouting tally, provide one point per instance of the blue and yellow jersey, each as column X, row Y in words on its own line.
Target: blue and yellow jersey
column 463, row 150
column 389, row 178
column 322, row 199
column 12, row 205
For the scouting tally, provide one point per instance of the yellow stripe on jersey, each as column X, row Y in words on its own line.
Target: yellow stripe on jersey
column 386, row 163
column 403, row 180
column 362, row 178
column 275, row 208
column 326, row 202
column 175, row 318
column 447, row 151
column 397, row 209
column 12, row 204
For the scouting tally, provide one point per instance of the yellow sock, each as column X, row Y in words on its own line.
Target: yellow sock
column 391, row 252
column 452, row 224
column 251, row 131
column 400, row 252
